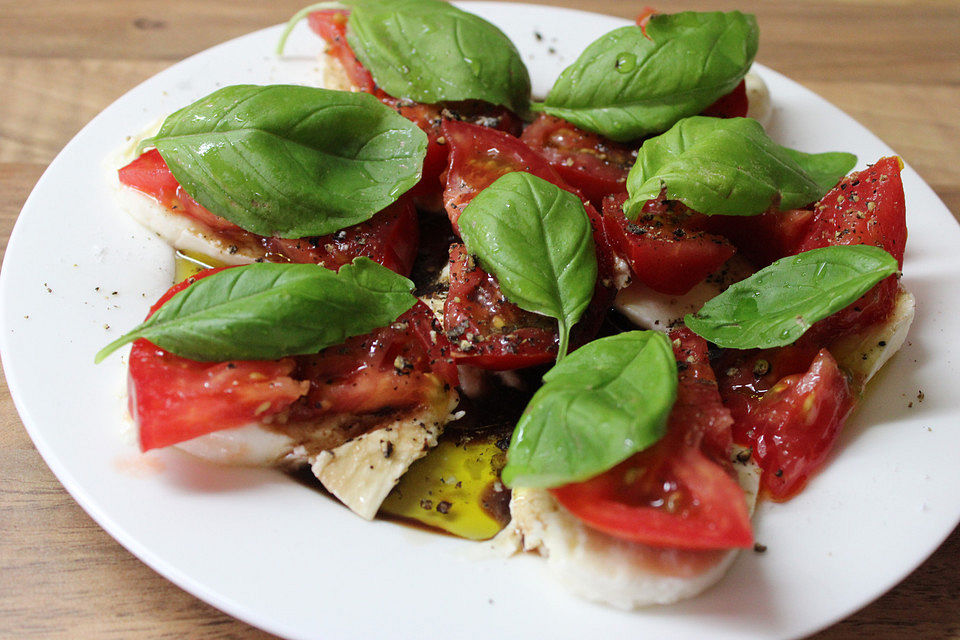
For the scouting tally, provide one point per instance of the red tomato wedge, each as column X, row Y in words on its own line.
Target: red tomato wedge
column 596, row 166
column 792, row 426
column 767, row 237
column 390, row 237
column 665, row 247
column 488, row 331
column 674, row 494
column 331, row 25
column 867, row 207
column 174, row 399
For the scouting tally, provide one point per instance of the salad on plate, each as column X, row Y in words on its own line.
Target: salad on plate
column 597, row 326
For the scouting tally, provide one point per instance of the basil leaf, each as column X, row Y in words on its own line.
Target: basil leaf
column 537, row 240
column 606, row 401
column 266, row 311
column 431, row 51
column 626, row 85
column 292, row 161
column 729, row 166
column 776, row 305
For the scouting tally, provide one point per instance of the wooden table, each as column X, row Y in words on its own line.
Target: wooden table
column 892, row 64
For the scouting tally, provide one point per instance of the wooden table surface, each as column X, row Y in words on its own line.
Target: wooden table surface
column 894, row 65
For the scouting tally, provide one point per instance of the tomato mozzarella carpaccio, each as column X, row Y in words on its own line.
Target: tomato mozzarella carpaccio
column 393, row 369
column 680, row 492
column 390, row 237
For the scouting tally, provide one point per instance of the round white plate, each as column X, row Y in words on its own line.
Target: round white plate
column 276, row 554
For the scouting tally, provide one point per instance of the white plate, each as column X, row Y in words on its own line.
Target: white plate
column 278, row 555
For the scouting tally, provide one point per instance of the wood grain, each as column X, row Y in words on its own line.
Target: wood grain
column 893, row 65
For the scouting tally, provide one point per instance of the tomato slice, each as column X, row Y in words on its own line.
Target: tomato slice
column 676, row 493
column 392, row 368
column 479, row 155
column 732, row 105
column 331, row 25
column 867, row 207
column 665, row 247
column 174, row 399
column 792, row 426
column 487, row 330
column 150, row 174
column 598, row 167
column 766, row 237
column 390, row 238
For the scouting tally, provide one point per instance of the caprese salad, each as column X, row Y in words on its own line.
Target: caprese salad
column 596, row 326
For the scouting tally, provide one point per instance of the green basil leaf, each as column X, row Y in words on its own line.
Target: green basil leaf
column 266, row 311
column 729, row 166
column 626, row 85
column 604, row 402
column 431, row 51
column 292, row 161
column 776, row 305
column 537, row 240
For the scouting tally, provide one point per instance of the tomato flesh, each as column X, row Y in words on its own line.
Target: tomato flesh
column 731, row 105
column 792, row 426
column 676, row 493
column 596, row 166
column 331, row 25
column 867, row 207
column 665, row 247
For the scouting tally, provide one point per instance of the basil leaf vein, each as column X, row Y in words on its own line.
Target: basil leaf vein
column 626, row 85
column 292, row 161
column 432, row 51
column 267, row 311
column 776, row 305
column 536, row 239
column 604, row 402
column 729, row 166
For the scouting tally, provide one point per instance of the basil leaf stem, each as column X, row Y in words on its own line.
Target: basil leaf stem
column 776, row 305
column 606, row 401
column 729, row 166
column 537, row 240
column 629, row 84
column 266, row 311
column 292, row 161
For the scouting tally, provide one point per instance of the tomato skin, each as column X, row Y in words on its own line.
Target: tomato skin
column 596, row 166
column 665, row 247
column 867, row 207
column 792, row 428
column 676, row 493
column 390, row 237
column 767, row 237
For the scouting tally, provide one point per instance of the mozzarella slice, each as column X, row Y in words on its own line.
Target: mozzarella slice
column 599, row 567
column 864, row 354
column 648, row 309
